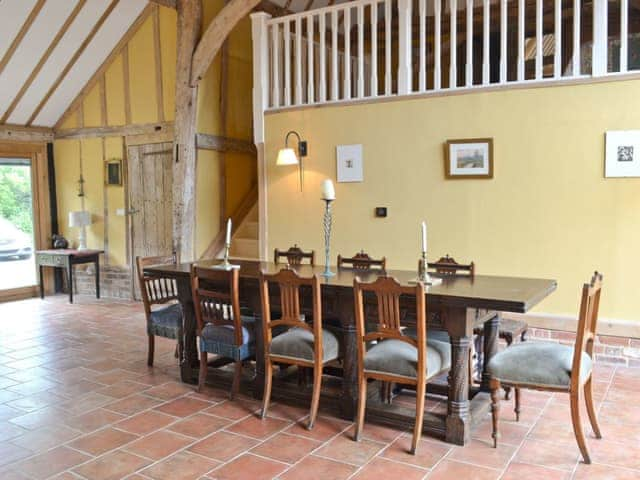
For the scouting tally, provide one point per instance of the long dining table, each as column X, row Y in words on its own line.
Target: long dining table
column 457, row 305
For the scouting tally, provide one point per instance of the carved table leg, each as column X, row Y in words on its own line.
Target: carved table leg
column 349, row 398
column 189, row 360
column 490, row 347
column 458, row 422
column 260, row 367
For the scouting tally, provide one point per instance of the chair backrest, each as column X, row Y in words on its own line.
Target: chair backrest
column 295, row 256
column 387, row 292
column 587, row 323
column 289, row 284
column 362, row 261
column 448, row 266
column 216, row 298
column 156, row 290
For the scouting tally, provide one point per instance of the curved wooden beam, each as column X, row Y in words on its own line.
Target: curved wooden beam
column 217, row 32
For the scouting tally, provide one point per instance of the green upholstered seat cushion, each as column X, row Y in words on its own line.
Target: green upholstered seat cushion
column 537, row 363
column 439, row 335
column 298, row 343
column 400, row 358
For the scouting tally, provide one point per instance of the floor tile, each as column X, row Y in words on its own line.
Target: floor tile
column 159, row 444
column 250, row 466
column 102, row 441
column 223, row 446
column 93, row 420
column 324, row 429
column 52, row 462
column 169, row 391
column 522, row 471
column 183, row 407
column 429, row 452
column 199, row 425
column 145, row 422
column 344, row 449
column 286, row 448
column 234, row 410
column 316, row 468
column 604, row 472
column 547, row 455
column 382, row 469
column 132, row 405
column 481, row 452
column 452, row 470
column 181, row 466
column 45, row 438
column 259, row 428
column 112, row 466
column 10, row 453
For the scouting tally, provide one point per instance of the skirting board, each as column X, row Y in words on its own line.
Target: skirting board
column 567, row 323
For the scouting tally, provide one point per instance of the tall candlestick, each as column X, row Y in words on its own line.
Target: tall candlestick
column 328, row 191
column 424, row 236
column 228, row 237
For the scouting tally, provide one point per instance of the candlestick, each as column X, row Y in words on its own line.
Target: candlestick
column 228, row 237
column 327, row 235
column 424, row 237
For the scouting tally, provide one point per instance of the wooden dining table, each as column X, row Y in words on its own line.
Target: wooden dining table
column 457, row 305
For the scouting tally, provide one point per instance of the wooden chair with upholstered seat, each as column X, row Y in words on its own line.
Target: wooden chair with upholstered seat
column 294, row 256
column 554, row 367
column 362, row 261
column 302, row 344
column 161, row 307
column 395, row 357
column 221, row 327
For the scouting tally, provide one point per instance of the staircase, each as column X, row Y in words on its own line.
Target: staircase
column 244, row 243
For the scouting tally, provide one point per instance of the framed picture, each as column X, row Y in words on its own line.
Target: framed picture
column 349, row 163
column 113, row 172
column 622, row 154
column 470, row 158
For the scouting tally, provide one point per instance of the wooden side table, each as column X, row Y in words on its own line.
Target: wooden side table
column 67, row 258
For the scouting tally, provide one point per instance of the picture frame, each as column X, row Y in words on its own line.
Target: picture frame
column 113, row 172
column 349, row 163
column 622, row 154
column 468, row 158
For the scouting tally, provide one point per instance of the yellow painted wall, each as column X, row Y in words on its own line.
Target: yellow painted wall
column 240, row 169
column 549, row 212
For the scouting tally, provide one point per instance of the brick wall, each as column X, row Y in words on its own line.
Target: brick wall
column 612, row 350
column 115, row 282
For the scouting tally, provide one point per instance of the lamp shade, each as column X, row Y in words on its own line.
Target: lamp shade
column 80, row 218
column 287, row 156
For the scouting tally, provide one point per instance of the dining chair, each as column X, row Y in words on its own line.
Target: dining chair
column 304, row 343
column 223, row 329
column 362, row 261
column 554, row 367
column 294, row 256
column 395, row 357
column 160, row 300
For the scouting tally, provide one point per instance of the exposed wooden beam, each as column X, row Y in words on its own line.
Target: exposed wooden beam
column 126, row 82
column 165, row 3
column 219, row 143
column 157, row 50
column 85, row 43
column 184, row 165
column 217, row 31
column 43, row 60
column 114, row 131
column 224, row 103
column 107, row 63
column 25, row 134
column 21, row 33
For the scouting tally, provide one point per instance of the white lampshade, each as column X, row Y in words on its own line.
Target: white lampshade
column 287, row 156
column 80, row 218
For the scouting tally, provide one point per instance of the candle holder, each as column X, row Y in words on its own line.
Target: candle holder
column 423, row 273
column 327, row 237
column 225, row 265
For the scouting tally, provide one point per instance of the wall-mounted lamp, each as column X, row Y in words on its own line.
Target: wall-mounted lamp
column 288, row 156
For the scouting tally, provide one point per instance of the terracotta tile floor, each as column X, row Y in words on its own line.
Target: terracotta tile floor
column 77, row 401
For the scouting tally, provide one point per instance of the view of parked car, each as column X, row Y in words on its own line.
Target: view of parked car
column 14, row 243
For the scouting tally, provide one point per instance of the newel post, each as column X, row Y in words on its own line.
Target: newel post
column 600, row 38
column 404, row 47
column 260, row 37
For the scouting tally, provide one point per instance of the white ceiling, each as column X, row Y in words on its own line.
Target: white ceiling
column 38, row 38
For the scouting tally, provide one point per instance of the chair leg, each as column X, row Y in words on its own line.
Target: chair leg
column 268, row 378
column 494, row 386
column 315, row 395
column 574, row 398
column 202, row 375
column 588, row 397
column 152, row 348
column 517, row 406
column 237, row 376
column 417, row 428
column 506, row 388
column 362, row 404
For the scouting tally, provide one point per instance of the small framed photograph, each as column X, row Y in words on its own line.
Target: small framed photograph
column 622, row 154
column 113, row 172
column 470, row 158
column 349, row 163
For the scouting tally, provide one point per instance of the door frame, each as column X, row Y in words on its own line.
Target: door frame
column 36, row 153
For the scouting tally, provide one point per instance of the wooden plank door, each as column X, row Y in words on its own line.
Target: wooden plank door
column 150, row 205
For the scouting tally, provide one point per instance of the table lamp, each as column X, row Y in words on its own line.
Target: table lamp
column 80, row 219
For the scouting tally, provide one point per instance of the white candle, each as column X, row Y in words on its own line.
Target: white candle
column 328, row 192
column 424, row 236
column 228, row 238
